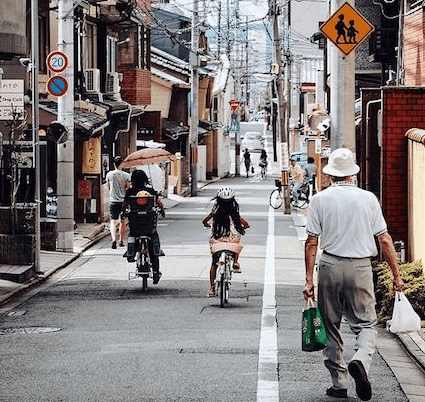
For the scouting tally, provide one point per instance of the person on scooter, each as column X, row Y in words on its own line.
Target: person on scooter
column 140, row 184
column 227, row 226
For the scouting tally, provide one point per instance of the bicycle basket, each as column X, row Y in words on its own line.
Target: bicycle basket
column 278, row 183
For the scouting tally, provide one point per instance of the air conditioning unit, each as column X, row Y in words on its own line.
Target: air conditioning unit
column 92, row 76
column 112, row 83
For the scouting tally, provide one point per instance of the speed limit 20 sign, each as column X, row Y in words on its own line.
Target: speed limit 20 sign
column 57, row 61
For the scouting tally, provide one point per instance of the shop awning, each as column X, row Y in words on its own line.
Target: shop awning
column 88, row 121
column 173, row 130
column 173, row 81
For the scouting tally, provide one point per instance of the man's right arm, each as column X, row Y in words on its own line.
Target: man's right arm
column 387, row 247
column 310, row 252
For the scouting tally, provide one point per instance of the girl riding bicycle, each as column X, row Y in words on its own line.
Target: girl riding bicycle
column 227, row 228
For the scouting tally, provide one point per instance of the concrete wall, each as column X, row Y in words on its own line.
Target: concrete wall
column 416, row 199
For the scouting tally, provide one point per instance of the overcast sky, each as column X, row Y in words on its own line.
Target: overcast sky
column 254, row 9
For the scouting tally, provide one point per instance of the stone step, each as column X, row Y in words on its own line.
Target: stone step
column 16, row 273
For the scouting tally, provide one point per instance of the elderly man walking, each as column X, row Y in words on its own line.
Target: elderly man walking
column 347, row 219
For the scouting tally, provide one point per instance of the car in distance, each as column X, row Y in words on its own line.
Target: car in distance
column 253, row 140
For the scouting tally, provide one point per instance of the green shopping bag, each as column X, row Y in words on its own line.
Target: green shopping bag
column 313, row 330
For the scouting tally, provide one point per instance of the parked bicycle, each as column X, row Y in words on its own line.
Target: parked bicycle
column 223, row 276
column 276, row 197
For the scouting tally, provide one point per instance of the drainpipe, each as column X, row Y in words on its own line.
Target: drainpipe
column 367, row 139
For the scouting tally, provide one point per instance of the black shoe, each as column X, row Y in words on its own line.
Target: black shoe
column 114, row 244
column 358, row 372
column 156, row 276
column 161, row 253
column 337, row 393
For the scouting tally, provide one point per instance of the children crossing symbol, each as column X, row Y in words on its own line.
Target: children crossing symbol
column 347, row 28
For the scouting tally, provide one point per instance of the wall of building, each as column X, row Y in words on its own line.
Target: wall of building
column 402, row 109
column 161, row 97
column 12, row 28
column 136, row 86
column 414, row 47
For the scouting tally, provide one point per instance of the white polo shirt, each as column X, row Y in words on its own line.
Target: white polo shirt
column 346, row 218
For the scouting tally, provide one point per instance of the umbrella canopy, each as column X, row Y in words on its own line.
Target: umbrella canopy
column 147, row 156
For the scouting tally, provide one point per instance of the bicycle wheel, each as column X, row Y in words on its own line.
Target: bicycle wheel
column 226, row 292
column 276, row 199
column 222, row 291
column 303, row 204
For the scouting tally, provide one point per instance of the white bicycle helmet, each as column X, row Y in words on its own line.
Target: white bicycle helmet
column 225, row 193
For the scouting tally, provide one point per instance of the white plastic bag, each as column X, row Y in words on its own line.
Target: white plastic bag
column 404, row 317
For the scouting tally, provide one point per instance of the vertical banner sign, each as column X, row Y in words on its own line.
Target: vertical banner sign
column 11, row 99
column 92, row 158
column 84, row 189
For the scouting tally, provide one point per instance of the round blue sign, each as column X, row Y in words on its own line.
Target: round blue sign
column 57, row 85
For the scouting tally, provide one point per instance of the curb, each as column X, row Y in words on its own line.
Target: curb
column 415, row 346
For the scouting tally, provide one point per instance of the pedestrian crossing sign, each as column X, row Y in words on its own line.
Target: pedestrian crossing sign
column 347, row 28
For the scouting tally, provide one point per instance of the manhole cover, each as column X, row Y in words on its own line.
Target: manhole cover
column 30, row 330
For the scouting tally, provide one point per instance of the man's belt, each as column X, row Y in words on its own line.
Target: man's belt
column 348, row 258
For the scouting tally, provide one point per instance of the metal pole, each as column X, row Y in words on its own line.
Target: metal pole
column 342, row 94
column 282, row 131
column 194, row 104
column 35, row 125
column 237, row 92
column 65, row 180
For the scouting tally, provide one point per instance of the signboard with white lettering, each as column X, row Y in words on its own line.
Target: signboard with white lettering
column 11, row 99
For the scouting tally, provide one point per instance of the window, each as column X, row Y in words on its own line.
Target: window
column 111, row 54
column 413, row 4
column 90, row 58
column 43, row 44
column 144, row 47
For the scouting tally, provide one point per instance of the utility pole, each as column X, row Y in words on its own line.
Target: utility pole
column 342, row 94
column 281, row 126
column 238, row 92
column 246, row 74
column 65, row 181
column 35, row 125
column 194, row 104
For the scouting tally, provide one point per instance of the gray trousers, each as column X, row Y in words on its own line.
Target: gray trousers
column 345, row 286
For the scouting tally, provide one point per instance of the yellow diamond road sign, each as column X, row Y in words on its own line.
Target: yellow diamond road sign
column 347, row 28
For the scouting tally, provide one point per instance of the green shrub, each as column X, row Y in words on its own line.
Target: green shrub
column 414, row 288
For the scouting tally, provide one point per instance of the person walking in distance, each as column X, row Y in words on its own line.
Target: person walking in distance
column 347, row 219
column 118, row 182
column 247, row 161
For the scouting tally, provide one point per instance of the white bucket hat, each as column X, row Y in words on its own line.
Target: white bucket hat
column 341, row 163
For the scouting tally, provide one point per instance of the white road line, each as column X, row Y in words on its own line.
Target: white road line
column 268, row 381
